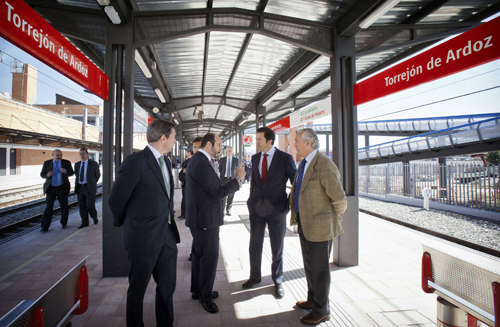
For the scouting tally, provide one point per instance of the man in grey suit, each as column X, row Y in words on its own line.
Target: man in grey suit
column 86, row 176
column 268, row 205
column 56, row 172
column 142, row 202
column 227, row 168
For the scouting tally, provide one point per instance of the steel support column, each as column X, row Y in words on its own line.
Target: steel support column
column 128, row 112
column 114, row 256
column 442, row 177
column 345, row 146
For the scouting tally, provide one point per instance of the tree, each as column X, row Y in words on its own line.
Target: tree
column 493, row 157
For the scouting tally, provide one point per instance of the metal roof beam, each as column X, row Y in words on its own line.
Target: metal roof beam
column 425, row 11
column 55, row 5
column 379, row 27
column 416, row 41
column 348, row 25
column 79, row 36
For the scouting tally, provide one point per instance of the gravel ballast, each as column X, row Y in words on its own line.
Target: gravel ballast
column 468, row 228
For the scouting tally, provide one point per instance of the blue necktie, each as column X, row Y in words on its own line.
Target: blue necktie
column 298, row 184
column 228, row 167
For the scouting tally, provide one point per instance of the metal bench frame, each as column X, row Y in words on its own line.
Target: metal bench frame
column 473, row 289
column 68, row 297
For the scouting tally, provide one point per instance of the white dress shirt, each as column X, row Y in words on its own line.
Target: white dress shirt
column 157, row 155
column 309, row 158
column 84, row 172
column 270, row 155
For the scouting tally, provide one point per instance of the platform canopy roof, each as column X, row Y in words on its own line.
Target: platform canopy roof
column 231, row 56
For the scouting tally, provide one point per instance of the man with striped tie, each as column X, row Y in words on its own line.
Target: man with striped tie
column 317, row 203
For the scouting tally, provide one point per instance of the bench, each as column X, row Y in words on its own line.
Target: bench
column 56, row 307
column 473, row 289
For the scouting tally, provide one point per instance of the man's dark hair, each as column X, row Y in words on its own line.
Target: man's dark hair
column 83, row 149
column 198, row 139
column 157, row 128
column 268, row 134
column 191, row 151
column 209, row 137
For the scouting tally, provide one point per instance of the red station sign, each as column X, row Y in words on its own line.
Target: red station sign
column 472, row 48
column 22, row 26
column 280, row 125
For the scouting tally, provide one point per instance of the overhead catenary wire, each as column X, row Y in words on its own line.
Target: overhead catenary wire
column 2, row 61
column 426, row 91
column 431, row 103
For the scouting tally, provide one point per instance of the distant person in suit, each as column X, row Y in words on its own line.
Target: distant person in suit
column 196, row 147
column 248, row 168
column 56, row 172
column 86, row 176
column 268, row 204
column 182, row 179
column 142, row 201
column 227, row 168
column 317, row 202
column 204, row 216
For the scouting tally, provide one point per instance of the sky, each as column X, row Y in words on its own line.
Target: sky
column 50, row 81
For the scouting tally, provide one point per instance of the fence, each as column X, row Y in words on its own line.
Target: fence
column 463, row 184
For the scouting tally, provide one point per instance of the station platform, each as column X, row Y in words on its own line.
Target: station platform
column 383, row 290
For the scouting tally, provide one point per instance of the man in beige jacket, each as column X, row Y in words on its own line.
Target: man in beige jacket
column 317, row 203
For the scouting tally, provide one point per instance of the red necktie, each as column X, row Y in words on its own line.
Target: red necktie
column 264, row 168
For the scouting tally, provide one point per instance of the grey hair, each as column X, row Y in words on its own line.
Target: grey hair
column 157, row 128
column 308, row 134
column 229, row 148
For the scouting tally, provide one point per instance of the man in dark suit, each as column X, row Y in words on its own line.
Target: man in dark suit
column 86, row 176
column 182, row 179
column 227, row 168
column 248, row 168
column 204, row 216
column 268, row 204
column 56, row 172
column 142, row 200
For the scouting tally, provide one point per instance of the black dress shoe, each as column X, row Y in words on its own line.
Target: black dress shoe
column 44, row 230
column 313, row 319
column 96, row 221
column 190, row 257
column 280, row 292
column 64, row 226
column 210, row 307
column 305, row 305
column 83, row 226
column 196, row 296
column 251, row 282
column 228, row 213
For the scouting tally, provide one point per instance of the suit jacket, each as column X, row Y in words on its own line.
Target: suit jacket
column 322, row 200
column 48, row 167
column 182, row 175
column 139, row 201
column 204, row 194
column 93, row 175
column 223, row 164
column 270, row 198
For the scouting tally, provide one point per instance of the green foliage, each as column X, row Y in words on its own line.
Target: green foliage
column 493, row 157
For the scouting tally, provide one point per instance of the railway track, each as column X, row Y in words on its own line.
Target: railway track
column 453, row 239
column 34, row 211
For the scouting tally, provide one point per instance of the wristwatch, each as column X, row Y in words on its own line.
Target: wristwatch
column 238, row 178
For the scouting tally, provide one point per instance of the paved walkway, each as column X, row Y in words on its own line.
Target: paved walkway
column 384, row 290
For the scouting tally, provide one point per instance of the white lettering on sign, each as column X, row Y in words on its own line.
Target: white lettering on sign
column 43, row 41
column 453, row 54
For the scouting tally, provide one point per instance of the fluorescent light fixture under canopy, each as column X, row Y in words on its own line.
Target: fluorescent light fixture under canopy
column 377, row 13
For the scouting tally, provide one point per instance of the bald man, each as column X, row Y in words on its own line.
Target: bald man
column 56, row 172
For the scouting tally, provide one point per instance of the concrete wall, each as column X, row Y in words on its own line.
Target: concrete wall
column 15, row 115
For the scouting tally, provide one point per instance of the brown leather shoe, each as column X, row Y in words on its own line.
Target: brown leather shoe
column 313, row 319
column 304, row 305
